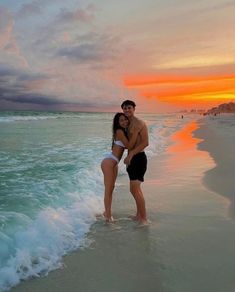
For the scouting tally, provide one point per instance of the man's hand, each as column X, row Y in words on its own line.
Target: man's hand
column 127, row 160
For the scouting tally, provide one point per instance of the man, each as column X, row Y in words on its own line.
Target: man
column 136, row 159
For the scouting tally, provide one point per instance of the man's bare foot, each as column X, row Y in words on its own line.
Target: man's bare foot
column 144, row 222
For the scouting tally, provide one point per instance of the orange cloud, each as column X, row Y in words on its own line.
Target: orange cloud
column 185, row 90
column 138, row 81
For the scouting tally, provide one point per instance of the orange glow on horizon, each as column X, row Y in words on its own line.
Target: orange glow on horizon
column 138, row 81
column 185, row 90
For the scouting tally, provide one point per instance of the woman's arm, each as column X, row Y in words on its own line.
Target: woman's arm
column 129, row 144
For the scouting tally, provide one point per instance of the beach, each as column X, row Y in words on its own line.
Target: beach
column 190, row 243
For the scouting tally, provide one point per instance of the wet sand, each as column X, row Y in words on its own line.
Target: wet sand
column 220, row 140
column 189, row 245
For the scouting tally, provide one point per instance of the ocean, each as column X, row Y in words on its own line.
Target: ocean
column 51, row 184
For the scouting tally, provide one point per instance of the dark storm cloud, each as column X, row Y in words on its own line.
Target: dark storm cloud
column 29, row 98
column 13, row 87
column 6, row 71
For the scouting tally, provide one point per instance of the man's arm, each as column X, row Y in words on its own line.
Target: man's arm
column 143, row 144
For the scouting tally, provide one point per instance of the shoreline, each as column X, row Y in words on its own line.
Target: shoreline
column 182, row 250
column 220, row 145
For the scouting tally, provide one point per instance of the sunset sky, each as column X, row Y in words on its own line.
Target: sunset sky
column 91, row 55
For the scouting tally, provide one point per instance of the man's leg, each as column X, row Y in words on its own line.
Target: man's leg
column 135, row 189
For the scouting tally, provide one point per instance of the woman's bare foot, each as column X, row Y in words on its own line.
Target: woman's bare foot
column 109, row 220
column 99, row 215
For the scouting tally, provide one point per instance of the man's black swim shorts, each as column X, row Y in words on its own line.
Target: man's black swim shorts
column 137, row 167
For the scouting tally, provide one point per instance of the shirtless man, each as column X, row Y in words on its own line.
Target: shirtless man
column 136, row 159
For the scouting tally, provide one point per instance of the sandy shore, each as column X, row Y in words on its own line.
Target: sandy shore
column 190, row 244
column 219, row 139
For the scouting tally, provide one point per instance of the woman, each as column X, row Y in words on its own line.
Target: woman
column 109, row 165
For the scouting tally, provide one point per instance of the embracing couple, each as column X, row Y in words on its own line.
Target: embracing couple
column 131, row 133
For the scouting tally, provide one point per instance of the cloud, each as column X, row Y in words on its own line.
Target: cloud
column 83, row 52
column 212, row 7
column 197, row 61
column 48, row 38
column 6, row 25
column 80, row 15
column 91, row 48
column 13, row 87
column 29, row 9
column 6, row 71
column 13, row 96
column 10, row 52
column 184, row 87
column 85, row 89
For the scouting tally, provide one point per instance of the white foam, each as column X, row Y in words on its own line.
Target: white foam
column 39, row 248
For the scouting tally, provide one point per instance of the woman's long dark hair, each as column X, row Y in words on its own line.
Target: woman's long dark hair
column 117, row 126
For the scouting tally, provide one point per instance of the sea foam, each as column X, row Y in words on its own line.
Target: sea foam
column 54, row 232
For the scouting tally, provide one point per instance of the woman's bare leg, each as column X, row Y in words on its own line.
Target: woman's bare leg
column 109, row 168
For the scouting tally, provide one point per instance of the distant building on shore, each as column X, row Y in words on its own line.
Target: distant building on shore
column 222, row 108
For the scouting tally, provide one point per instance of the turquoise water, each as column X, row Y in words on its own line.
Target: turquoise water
column 51, row 185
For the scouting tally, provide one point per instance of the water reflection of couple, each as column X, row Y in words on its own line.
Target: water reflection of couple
column 131, row 133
